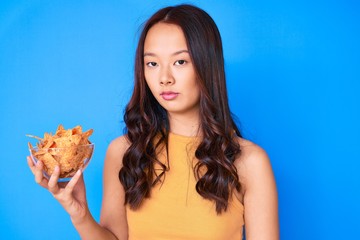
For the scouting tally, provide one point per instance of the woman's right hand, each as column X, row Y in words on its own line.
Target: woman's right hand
column 71, row 195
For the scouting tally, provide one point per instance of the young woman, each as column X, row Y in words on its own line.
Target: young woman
column 182, row 170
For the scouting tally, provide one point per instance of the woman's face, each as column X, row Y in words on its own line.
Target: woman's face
column 169, row 71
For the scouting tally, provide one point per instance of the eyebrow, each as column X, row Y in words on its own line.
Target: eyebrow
column 174, row 54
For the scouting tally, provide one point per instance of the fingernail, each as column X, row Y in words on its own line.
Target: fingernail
column 57, row 168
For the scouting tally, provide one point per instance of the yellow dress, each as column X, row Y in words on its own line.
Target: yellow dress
column 176, row 211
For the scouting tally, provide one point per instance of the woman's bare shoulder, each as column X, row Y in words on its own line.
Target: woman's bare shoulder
column 121, row 142
column 113, row 213
column 258, row 192
column 250, row 150
column 253, row 162
column 116, row 149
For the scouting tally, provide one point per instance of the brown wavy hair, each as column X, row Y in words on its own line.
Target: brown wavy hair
column 146, row 119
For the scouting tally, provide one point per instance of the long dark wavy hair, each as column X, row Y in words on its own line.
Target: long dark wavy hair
column 147, row 124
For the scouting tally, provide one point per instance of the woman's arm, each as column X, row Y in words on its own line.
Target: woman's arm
column 113, row 212
column 259, row 193
column 113, row 223
column 72, row 197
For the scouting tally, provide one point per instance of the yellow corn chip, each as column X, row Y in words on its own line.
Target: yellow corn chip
column 68, row 149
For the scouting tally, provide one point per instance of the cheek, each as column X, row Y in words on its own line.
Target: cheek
column 196, row 88
column 194, row 81
column 197, row 93
column 150, row 79
column 153, row 89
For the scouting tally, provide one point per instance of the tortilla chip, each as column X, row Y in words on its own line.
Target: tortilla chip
column 69, row 149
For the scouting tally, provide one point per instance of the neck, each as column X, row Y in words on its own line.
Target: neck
column 184, row 125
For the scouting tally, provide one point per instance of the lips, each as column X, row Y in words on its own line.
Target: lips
column 169, row 95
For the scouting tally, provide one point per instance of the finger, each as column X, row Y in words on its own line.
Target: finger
column 38, row 172
column 74, row 180
column 53, row 181
column 31, row 164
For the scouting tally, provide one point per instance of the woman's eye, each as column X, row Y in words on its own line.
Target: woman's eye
column 180, row 62
column 151, row 64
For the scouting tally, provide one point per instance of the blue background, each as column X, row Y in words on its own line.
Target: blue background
column 293, row 71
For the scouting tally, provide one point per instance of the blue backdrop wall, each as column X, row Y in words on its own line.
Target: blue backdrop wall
column 293, row 71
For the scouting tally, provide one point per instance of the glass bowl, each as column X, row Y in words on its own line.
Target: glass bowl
column 69, row 159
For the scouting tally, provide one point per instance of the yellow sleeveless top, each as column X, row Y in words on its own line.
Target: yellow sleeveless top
column 176, row 211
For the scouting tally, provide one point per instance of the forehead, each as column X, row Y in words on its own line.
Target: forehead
column 164, row 37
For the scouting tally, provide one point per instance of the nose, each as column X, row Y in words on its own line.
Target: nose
column 166, row 77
